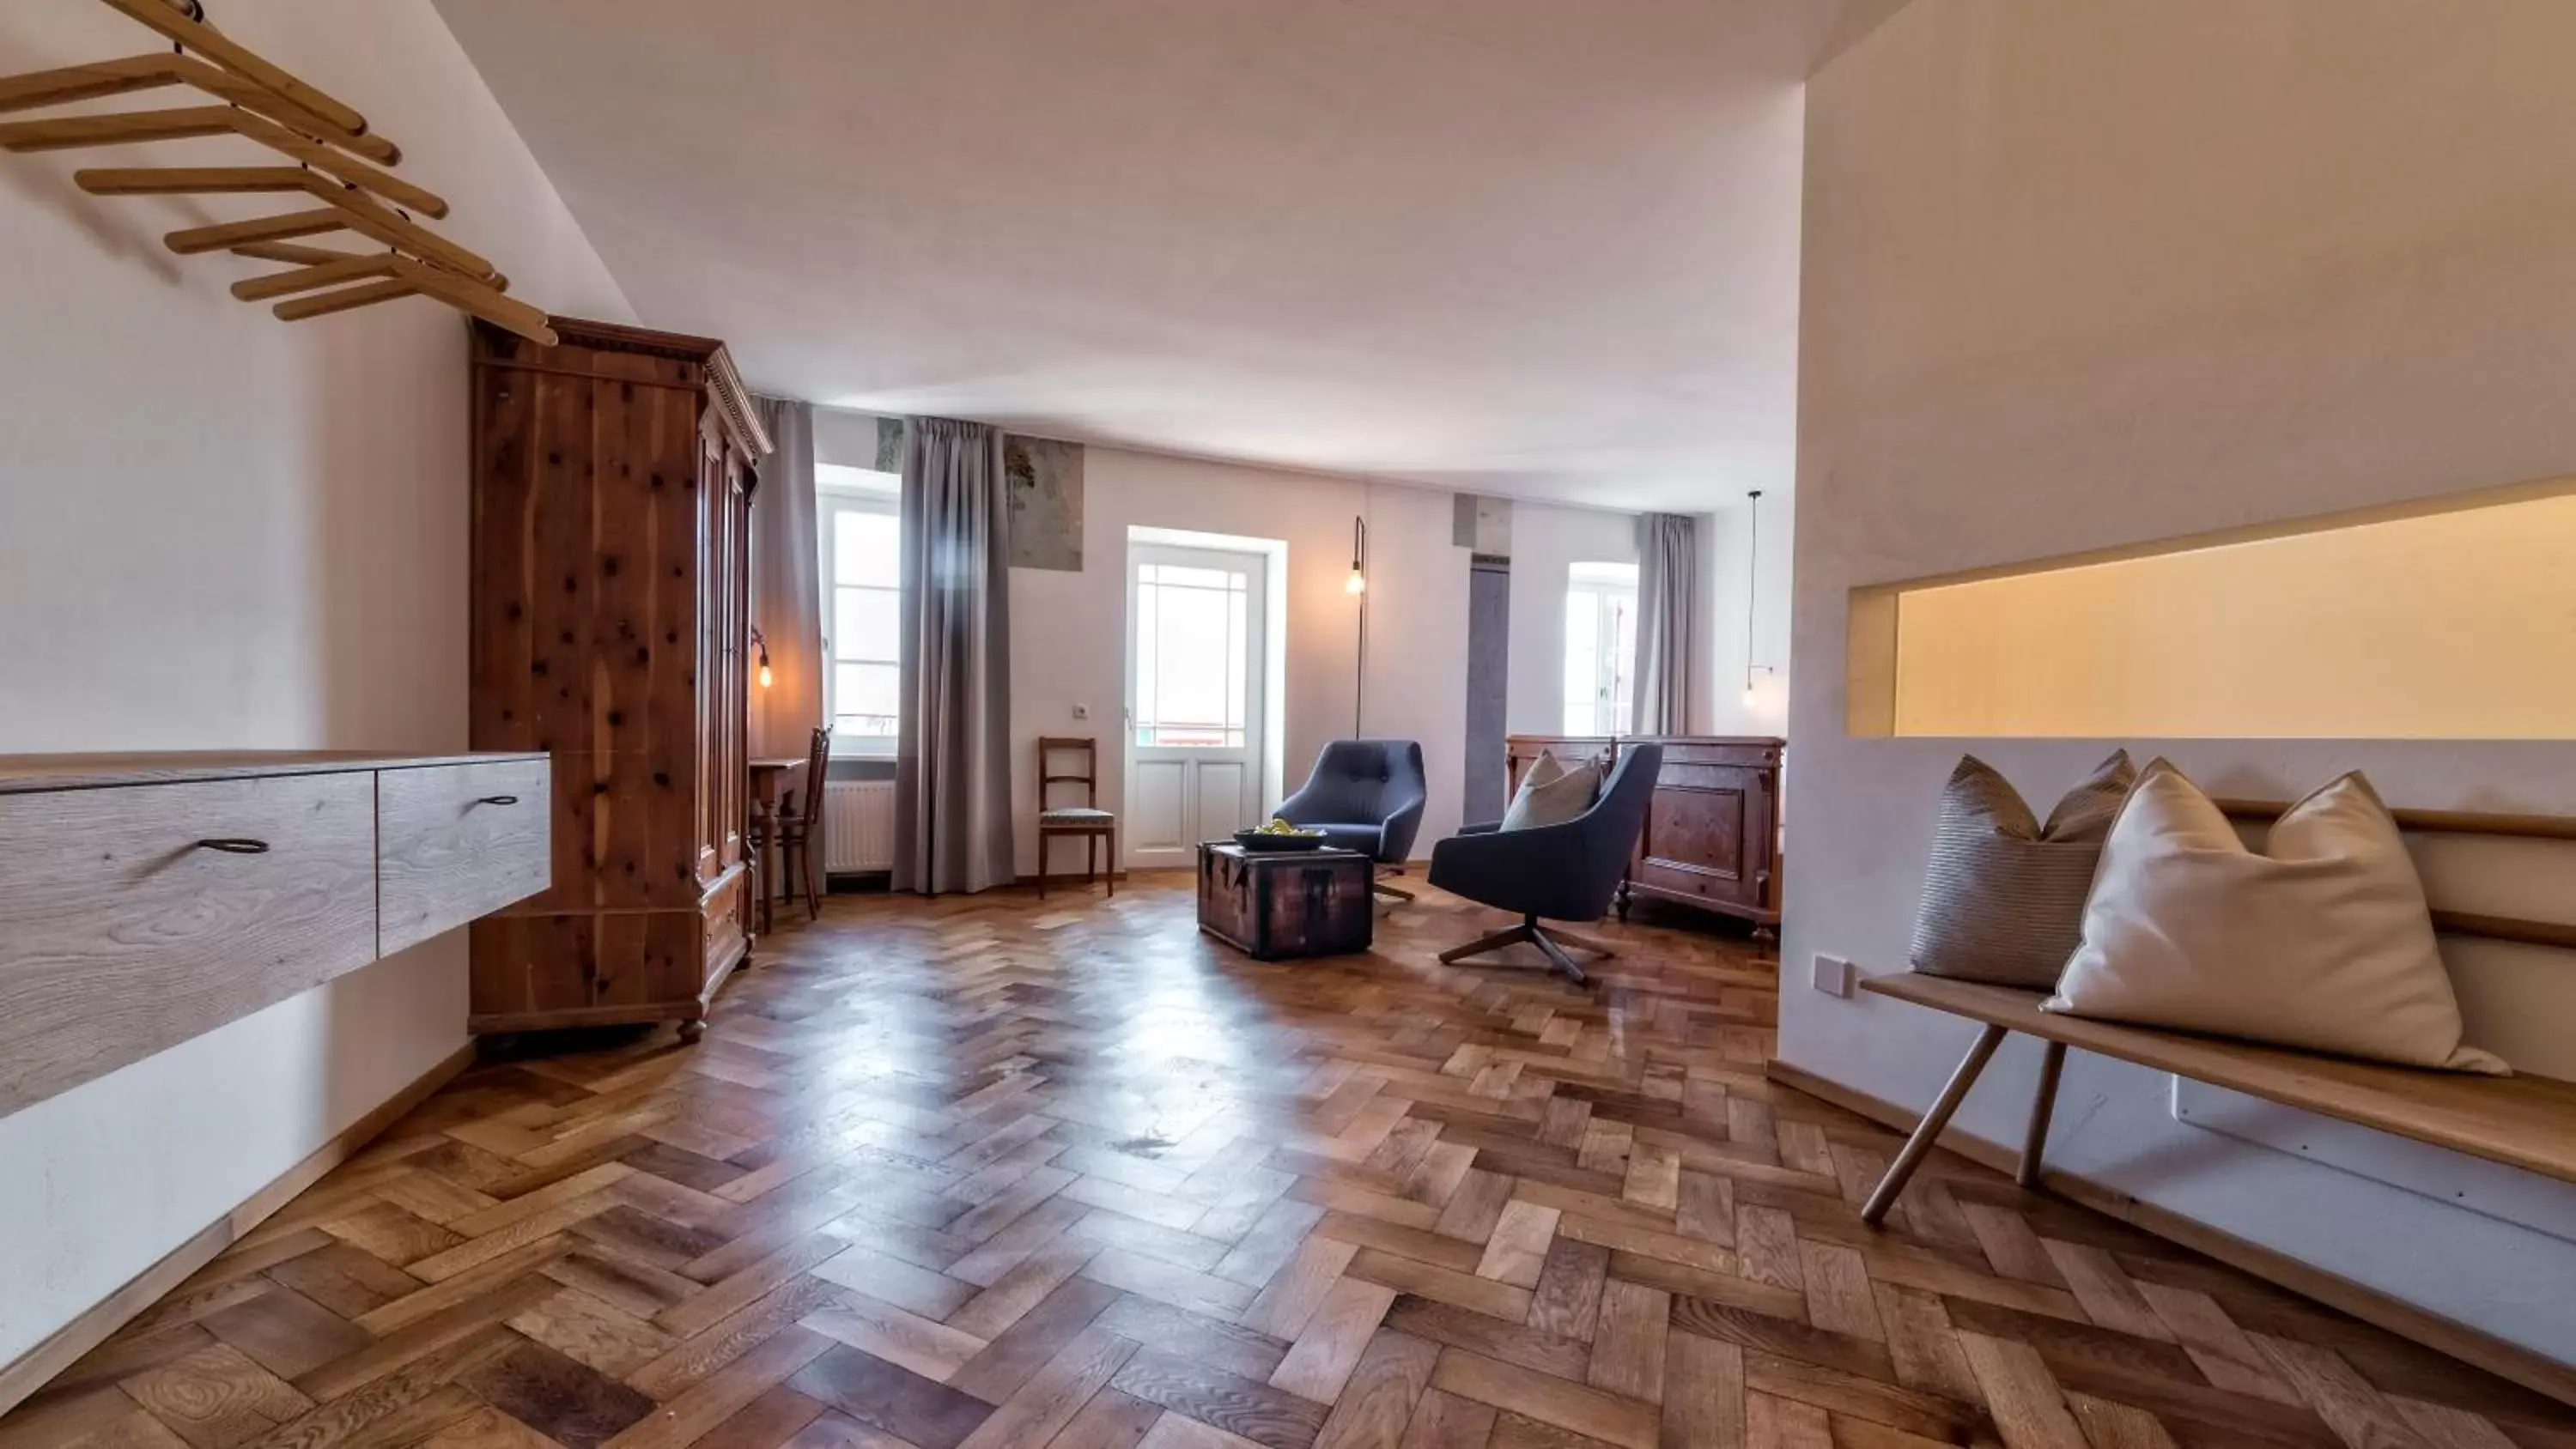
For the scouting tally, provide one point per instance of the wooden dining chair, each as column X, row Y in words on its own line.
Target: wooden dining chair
column 797, row 830
column 1087, row 820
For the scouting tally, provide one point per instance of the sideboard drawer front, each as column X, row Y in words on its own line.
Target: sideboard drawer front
column 459, row 841
column 122, row 934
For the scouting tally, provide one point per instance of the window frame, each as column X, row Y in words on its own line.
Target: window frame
column 1613, row 671
column 839, row 491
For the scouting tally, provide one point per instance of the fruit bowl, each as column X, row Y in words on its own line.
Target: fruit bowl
column 1279, row 839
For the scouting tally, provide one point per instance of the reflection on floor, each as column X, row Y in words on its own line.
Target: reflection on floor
column 997, row 1172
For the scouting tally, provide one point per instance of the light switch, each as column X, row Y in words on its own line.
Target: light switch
column 1833, row 975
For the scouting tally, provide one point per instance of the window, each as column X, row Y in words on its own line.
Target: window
column 1193, row 656
column 1600, row 647
column 862, row 607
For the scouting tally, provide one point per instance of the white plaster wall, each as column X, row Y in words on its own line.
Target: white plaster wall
column 1546, row 542
column 218, row 530
column 2085, row 275
column 1069, row 630
column 1729, row 554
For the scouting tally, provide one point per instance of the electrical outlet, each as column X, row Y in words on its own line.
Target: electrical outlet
column 1833, row 975
column 1082, row 711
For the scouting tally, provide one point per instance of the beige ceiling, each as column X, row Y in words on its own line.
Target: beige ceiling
column 1539, row 247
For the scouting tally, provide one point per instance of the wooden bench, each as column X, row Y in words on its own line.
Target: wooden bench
column 2523, row 1121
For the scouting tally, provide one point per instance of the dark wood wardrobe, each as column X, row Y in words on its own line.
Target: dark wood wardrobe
column 613, row 476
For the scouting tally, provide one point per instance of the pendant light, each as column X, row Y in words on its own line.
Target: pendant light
column 1357, row 587
column 1752, row 595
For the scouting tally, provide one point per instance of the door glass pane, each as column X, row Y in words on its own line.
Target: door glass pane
column 1149, row 633
column 1193, row 656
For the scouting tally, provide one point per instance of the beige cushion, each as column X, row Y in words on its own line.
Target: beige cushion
column 2322, row 941
column 2003, row 900
column 1552, row 793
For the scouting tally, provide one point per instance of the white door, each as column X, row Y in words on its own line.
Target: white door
column 1194, row 667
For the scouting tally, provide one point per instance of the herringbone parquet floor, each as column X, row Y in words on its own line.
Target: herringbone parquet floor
column 997, row 1172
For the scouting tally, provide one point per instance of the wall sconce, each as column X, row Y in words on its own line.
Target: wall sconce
column 761, row 642
column 1357, row 583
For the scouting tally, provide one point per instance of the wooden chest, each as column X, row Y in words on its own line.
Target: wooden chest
column 1276, row 904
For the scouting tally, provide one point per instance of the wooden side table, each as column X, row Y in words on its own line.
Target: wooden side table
column 1277, row 904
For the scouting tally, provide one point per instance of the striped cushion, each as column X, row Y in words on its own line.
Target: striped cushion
column 2004, row 898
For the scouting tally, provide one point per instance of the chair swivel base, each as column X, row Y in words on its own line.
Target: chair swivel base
column 1550, row 944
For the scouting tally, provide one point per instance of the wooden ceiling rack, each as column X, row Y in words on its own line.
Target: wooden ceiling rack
column 337, row 161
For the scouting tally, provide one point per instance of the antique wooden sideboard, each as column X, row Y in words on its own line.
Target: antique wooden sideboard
column 1712, row 836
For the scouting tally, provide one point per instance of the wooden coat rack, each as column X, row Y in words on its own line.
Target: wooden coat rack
column 335, row 161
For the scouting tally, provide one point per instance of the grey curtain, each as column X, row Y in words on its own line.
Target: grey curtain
column 952, row 791
column 1667, row 622
column 786, row 587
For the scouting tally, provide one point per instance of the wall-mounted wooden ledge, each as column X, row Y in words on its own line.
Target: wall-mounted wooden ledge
column 148, row 899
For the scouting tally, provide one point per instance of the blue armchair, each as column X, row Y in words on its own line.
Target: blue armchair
column 1565, row 872
column 1365, row 795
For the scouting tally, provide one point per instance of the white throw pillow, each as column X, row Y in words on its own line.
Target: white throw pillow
column 1552, row 793
column 2322, row 942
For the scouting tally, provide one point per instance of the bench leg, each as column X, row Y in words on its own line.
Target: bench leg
column 2034, row 1143
column 1918, row 1146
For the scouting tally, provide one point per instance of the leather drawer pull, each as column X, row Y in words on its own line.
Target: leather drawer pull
column 498, row 800
column 235, row 845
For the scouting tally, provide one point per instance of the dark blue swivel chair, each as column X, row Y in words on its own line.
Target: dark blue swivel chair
column 1564, row 872
column 1365, row 795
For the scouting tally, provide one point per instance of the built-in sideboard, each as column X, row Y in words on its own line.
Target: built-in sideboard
column 148, row 899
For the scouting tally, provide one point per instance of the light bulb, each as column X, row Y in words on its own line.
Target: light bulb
column 1357, row 583
column 1752, row 696
column 764, row 676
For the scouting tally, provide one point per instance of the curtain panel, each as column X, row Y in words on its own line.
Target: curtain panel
column 952, row 750
column 1667, row 623
column 786, row 588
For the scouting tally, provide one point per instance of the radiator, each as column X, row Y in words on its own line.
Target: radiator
column 858, row 826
